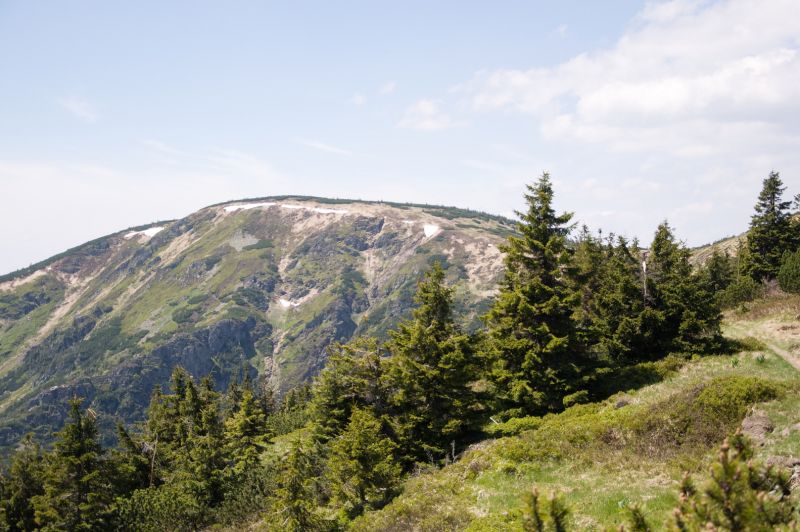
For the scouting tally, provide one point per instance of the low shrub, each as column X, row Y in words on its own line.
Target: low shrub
column 702, row 415
column 514, row 426
column 742, row 290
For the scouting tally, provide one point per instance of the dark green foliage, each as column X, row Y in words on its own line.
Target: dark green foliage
column 430, row 372
column 353, row 378
column 609, row 277
column 789, row 274
column 294, row 502
column 245, row 434
column 742, row 290
column 739, row 495
column 23, row 483
column 718, row 272
column 533, row 336
column 361, row 467
column 77, row 491
column 168, row 507
column 772, row 231
column 681, row 315
column 183, row 315
column 292, row 413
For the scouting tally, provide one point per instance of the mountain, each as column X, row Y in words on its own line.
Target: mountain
column 258, row 286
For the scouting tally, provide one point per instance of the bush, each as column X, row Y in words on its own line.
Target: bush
column 702, row 415
column 514, row 426
column 789, row 274
column 740, row 291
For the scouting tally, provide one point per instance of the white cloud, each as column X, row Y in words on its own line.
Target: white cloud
column 321, row 146
column 79, row 108
column 388, row 87
column 689, row 66
column 561, row 30
column 426, row 115
column 358, row 99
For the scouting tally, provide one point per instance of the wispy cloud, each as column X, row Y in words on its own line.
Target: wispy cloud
column 79, row 108
column 388, row 87
column 163, row 147
column 322, row 146
column 358, row 99
column 426, row 115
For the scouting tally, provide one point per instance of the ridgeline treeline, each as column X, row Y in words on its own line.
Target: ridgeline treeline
column 574, row 321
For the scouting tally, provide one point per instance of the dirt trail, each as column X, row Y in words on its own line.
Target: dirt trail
column 767, row 338
column 794, row 360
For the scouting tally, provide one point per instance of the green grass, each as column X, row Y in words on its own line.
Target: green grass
column 603, row 458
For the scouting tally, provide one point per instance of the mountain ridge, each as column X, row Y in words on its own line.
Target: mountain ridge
column 259, row 285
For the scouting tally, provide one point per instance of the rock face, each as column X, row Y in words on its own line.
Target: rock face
column 258, row 286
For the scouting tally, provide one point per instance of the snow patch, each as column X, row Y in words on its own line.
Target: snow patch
column 285, row 303
column 408, row 222
column 149, row 233
column 430, row 230
column 246, row 206
column 319, row 210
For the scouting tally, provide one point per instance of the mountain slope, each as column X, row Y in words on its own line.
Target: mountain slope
column 259, row 286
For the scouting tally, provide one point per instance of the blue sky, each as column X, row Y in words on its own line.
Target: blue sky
column 116, row 114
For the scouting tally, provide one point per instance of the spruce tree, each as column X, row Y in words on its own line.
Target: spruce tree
column 353, row 378
column 294, row 503
column 681, row 314
column 361, row 467
column 533, row 335
column 246, row 434
column 772, row 231
column 431, row 369
column 77, row 491
column 23, row 483
column 718, row 273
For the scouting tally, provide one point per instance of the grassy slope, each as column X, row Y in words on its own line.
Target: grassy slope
column 600, row 456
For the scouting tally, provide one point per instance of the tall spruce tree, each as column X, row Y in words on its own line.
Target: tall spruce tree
column 246, row 433
column 681, row 314
column 431, row 369
column 361, row 467
column 77, row 491
column 772, row 231
column 353, row 378
column 619, row 302
column 533, row 334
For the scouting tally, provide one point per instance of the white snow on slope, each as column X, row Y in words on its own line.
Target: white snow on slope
column 149, row 233
column 430, row 230
column 285, row 303
column 408, row 222
column 319, row 210
column 245, row 206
